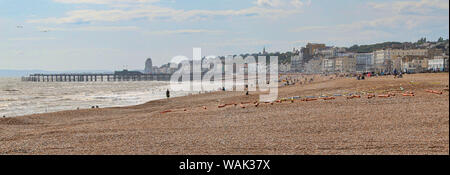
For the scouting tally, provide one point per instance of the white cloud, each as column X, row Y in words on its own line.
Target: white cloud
column 422, row 6
column 282, row 3
column 392, row 22
column 92, row 28
column 123, row 11
column 103, row 1
column 300, row 3
column 156, row 12
column 185, row 31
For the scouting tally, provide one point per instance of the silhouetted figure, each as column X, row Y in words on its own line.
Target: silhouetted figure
column 4, row 116
column 168, row 93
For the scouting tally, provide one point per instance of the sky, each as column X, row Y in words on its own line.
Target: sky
column 116, row 34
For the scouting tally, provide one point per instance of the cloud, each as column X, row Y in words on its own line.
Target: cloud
column 92, row 28
column 185, row 31
column 282, row 3
column 309, row 28
column 420, row 7
column 103, row 1
column 392, row 22
column 153, row 12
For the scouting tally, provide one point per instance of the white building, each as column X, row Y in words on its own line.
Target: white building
column 297, row 63
column 382, row 59
column 438, row 63
column 328, row 65
column 364, row 62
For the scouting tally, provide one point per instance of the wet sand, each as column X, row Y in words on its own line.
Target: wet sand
column 394, row 125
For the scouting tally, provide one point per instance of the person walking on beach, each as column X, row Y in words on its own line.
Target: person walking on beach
column 168, row 93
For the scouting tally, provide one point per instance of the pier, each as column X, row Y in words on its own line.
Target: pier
column 97, row 77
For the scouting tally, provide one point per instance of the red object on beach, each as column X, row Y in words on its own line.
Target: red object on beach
column 167, row 111
column 310, row 99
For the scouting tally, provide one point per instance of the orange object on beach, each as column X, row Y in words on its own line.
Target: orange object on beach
column 437, row 92
column 328, row 98
column 411, row 95
column 385, row 96
column 434, row 92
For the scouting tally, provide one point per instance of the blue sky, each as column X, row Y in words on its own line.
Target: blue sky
column 116, row 34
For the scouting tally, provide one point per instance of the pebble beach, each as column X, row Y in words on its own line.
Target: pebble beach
column 234, row 123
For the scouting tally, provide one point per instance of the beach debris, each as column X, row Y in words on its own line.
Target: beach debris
column 384, row 95
column 242, row 106
column 221, row 106
column 433, row 91
column 166, row 111
column 4, row 116
column 204, row 107
column 407, row 94
column 354, row 96
column 401, row 88
column 309, row 99
column 327, row 98
column 370, row 96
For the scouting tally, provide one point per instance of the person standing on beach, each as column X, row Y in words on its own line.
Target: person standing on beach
column 168, row 93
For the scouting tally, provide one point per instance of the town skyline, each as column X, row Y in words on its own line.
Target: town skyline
column 117, row 34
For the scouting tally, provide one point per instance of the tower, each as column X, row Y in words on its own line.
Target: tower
column 148, row 66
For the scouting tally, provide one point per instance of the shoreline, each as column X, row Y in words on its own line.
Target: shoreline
column 394, row 125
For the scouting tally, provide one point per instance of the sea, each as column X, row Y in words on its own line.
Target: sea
column 18, row 98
